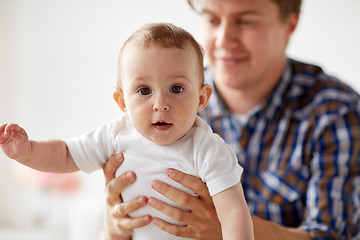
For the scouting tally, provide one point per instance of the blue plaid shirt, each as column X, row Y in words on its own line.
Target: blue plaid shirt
column 300, row 152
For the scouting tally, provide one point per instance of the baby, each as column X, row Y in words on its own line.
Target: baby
column 160, row 91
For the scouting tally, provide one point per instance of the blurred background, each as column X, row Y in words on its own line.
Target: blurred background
column 58, row 64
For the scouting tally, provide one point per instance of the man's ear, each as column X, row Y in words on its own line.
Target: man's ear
column 119, row 98
column 292, row 22
column 205, row 93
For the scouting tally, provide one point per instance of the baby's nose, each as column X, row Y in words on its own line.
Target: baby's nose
column 160, row 105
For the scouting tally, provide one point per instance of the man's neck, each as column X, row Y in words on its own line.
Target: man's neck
column 242, row 100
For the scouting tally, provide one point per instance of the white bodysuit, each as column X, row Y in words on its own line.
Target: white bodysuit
column 200, row 153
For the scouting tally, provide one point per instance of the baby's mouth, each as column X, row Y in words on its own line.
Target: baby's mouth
column 162, row 126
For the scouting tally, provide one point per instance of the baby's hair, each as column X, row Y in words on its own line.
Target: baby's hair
column 164, row 35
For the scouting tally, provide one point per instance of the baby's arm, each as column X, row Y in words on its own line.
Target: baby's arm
column 47, row 156
column 234, row 214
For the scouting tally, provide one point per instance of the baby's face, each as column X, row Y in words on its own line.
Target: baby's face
column 162, row 90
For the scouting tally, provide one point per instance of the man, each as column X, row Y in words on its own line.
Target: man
column 295, row 130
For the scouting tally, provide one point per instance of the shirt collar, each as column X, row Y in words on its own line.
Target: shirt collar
column 277, row 99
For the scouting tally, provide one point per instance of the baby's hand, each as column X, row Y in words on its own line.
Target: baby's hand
column 14, row 141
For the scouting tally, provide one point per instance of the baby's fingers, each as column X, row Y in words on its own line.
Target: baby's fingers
column 17, row 133
column 2, row 133
column 14, row 141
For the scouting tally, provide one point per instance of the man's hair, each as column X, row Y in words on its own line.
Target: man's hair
column 164, row 35
column 286, row 7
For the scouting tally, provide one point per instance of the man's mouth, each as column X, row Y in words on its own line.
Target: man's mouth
column 231, row 60
column 162, row 126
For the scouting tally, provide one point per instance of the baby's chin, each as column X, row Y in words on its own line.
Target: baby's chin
column 165, row 141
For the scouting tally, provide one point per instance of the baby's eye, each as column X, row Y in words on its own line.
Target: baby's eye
column 176, row 89
column 144, row 91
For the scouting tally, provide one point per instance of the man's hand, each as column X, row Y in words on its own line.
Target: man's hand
column 118, row 225
column 201, row 222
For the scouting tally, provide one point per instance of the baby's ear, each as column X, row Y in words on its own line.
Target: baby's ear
column 119, row 98
column 205, row 93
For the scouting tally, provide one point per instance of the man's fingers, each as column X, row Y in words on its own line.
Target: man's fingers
column 201, row 221
column 111, row 166
column 120, row 213
column 117, row 185
column 181, row 231
column 175, row 213
column 125, row 208
column 174, row 194
column 189, row 181
column 184, row 199
column 200, row 205
column 202, row 227
column 131, row 223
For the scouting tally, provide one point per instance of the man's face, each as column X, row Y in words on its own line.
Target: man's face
column 245, row 41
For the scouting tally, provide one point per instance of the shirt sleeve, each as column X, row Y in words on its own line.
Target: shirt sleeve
column 91, row 150
column 217, row 164
column 333, row 195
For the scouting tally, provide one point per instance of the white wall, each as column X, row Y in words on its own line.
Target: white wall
column 328, row 35
column 58, row 70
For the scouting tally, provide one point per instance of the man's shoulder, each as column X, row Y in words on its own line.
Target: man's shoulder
column 310, row 76
column 312, row 91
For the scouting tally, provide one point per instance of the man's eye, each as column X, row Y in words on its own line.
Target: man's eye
column 214, row 21
column 144, row 91
column 176, row 89
column 243, row 22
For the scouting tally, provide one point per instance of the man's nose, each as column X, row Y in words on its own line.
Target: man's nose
column 227, row 35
